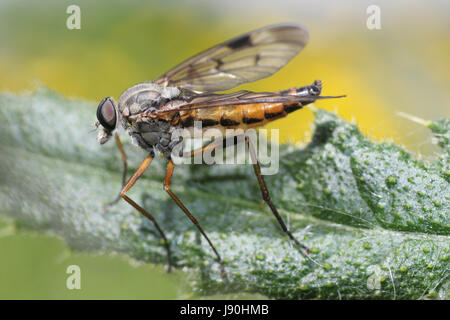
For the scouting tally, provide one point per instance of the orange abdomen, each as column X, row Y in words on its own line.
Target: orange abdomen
column 242, row 116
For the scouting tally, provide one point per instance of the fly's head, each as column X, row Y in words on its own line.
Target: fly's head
column 108, row 118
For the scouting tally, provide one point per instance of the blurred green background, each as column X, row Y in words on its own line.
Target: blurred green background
column 404, row 67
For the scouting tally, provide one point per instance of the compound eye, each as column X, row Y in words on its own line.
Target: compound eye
column 106, row 114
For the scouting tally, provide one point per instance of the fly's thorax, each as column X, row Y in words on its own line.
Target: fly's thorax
column 154, row 134
column 142, row 97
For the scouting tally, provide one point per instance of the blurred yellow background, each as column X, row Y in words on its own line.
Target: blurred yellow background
column 403, row 67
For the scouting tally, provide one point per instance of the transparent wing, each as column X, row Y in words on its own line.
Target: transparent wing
column 247, row 58
column 239, row 98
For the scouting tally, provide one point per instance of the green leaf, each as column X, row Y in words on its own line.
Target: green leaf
column 375, row 218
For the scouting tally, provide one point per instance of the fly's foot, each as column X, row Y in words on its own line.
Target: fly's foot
column 111, row 203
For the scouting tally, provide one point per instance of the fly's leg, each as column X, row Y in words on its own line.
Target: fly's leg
column 124, row 159
column 233, row 140
column 266, row 196
column 139, row 172
column 125, row 167
column 211, row 147
column 167, row 182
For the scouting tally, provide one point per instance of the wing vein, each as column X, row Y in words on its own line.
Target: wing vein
column 215, row 69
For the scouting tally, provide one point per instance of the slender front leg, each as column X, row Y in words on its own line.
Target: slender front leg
column 125, row 167
column 167, row 182
column 124, row 159
column 139, row 172
column 266, row 196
